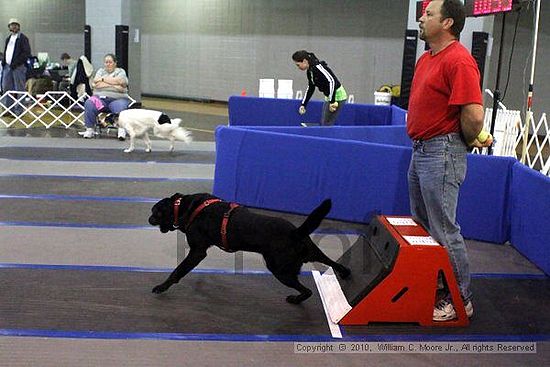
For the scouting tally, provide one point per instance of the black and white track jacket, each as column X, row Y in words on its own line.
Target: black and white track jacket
column 320, row 75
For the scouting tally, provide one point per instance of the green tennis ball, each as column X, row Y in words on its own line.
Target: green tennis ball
column 483, row 136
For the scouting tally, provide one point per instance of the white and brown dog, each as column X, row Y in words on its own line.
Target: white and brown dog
column 139, row 122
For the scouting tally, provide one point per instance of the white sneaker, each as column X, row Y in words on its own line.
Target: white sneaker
column 121, row 134
column 444, row 310
column 88, row 134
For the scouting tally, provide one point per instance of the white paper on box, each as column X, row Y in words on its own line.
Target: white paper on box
column 421, row 240
column 401, row 221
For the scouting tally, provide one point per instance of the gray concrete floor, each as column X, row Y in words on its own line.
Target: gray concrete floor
column 118, row 238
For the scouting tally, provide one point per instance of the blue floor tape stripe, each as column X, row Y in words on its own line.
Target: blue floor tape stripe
column 108, row 268
column 137, row 269
column 270, row 338
column 107, row 178
column 82, row 198
column 71, row 160
column 75, row 225
column 131, row 226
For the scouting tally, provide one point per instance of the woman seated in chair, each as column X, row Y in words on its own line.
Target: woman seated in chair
column 110, row 94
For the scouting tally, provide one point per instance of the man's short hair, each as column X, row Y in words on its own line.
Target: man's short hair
column 454, row 9
column 65, row 56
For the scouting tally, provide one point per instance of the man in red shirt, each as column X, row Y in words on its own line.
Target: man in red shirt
column 445, row 117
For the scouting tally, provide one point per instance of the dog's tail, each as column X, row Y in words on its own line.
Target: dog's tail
column 176, row 121
column 173, row 132
column 182, row 134
column 313, row 220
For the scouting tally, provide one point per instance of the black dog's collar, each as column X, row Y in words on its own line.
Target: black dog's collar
column 176, row 212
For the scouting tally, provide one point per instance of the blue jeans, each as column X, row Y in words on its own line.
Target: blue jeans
column 13, row 80
column 114, row 106
column 437, row 169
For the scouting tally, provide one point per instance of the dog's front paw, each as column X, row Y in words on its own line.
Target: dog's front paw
column 129, row 150
column 160, row 288
column 297, row 299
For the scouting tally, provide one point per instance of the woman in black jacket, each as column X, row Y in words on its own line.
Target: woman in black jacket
column 319, row 75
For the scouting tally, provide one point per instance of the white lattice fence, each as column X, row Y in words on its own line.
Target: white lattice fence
column 505, row 133
column 537, row 143
column 45, row 109
column 509, row 133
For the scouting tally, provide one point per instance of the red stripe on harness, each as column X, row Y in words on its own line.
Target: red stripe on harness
column 200, row 209
column 195, row 212
column 225, row 219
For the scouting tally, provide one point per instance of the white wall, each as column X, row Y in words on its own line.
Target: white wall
column 213, row 49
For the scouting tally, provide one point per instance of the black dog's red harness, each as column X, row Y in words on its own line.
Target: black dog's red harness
column 223, row 231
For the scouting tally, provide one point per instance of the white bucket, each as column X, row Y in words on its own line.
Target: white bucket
column 382, row 98
column 284, row 89
column 267, row 88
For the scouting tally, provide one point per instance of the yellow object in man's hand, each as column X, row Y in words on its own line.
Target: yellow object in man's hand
column 333, row 107
column 483, row 140
column 483, row 136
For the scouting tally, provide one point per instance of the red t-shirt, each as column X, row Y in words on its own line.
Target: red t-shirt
column 442, row 83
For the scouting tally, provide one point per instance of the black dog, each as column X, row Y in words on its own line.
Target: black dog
column 206, row 220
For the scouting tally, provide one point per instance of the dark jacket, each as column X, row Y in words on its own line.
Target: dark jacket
column 80, row 78
column 21, row 52
column 319, row 75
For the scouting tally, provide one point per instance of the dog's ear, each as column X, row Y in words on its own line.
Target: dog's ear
column 164, row 119
column 176, row 195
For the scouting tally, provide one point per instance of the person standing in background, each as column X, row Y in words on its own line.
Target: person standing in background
column 70, row 63
column 321, row 76
column 445, row 118
column 16, row 52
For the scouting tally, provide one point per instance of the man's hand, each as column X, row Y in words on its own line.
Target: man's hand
column 333, row 107
column 301, row 110
column 471, row 121
column 483, row 140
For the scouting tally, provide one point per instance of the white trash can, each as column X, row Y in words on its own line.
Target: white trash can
column 284, row 89
column 267, row 88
